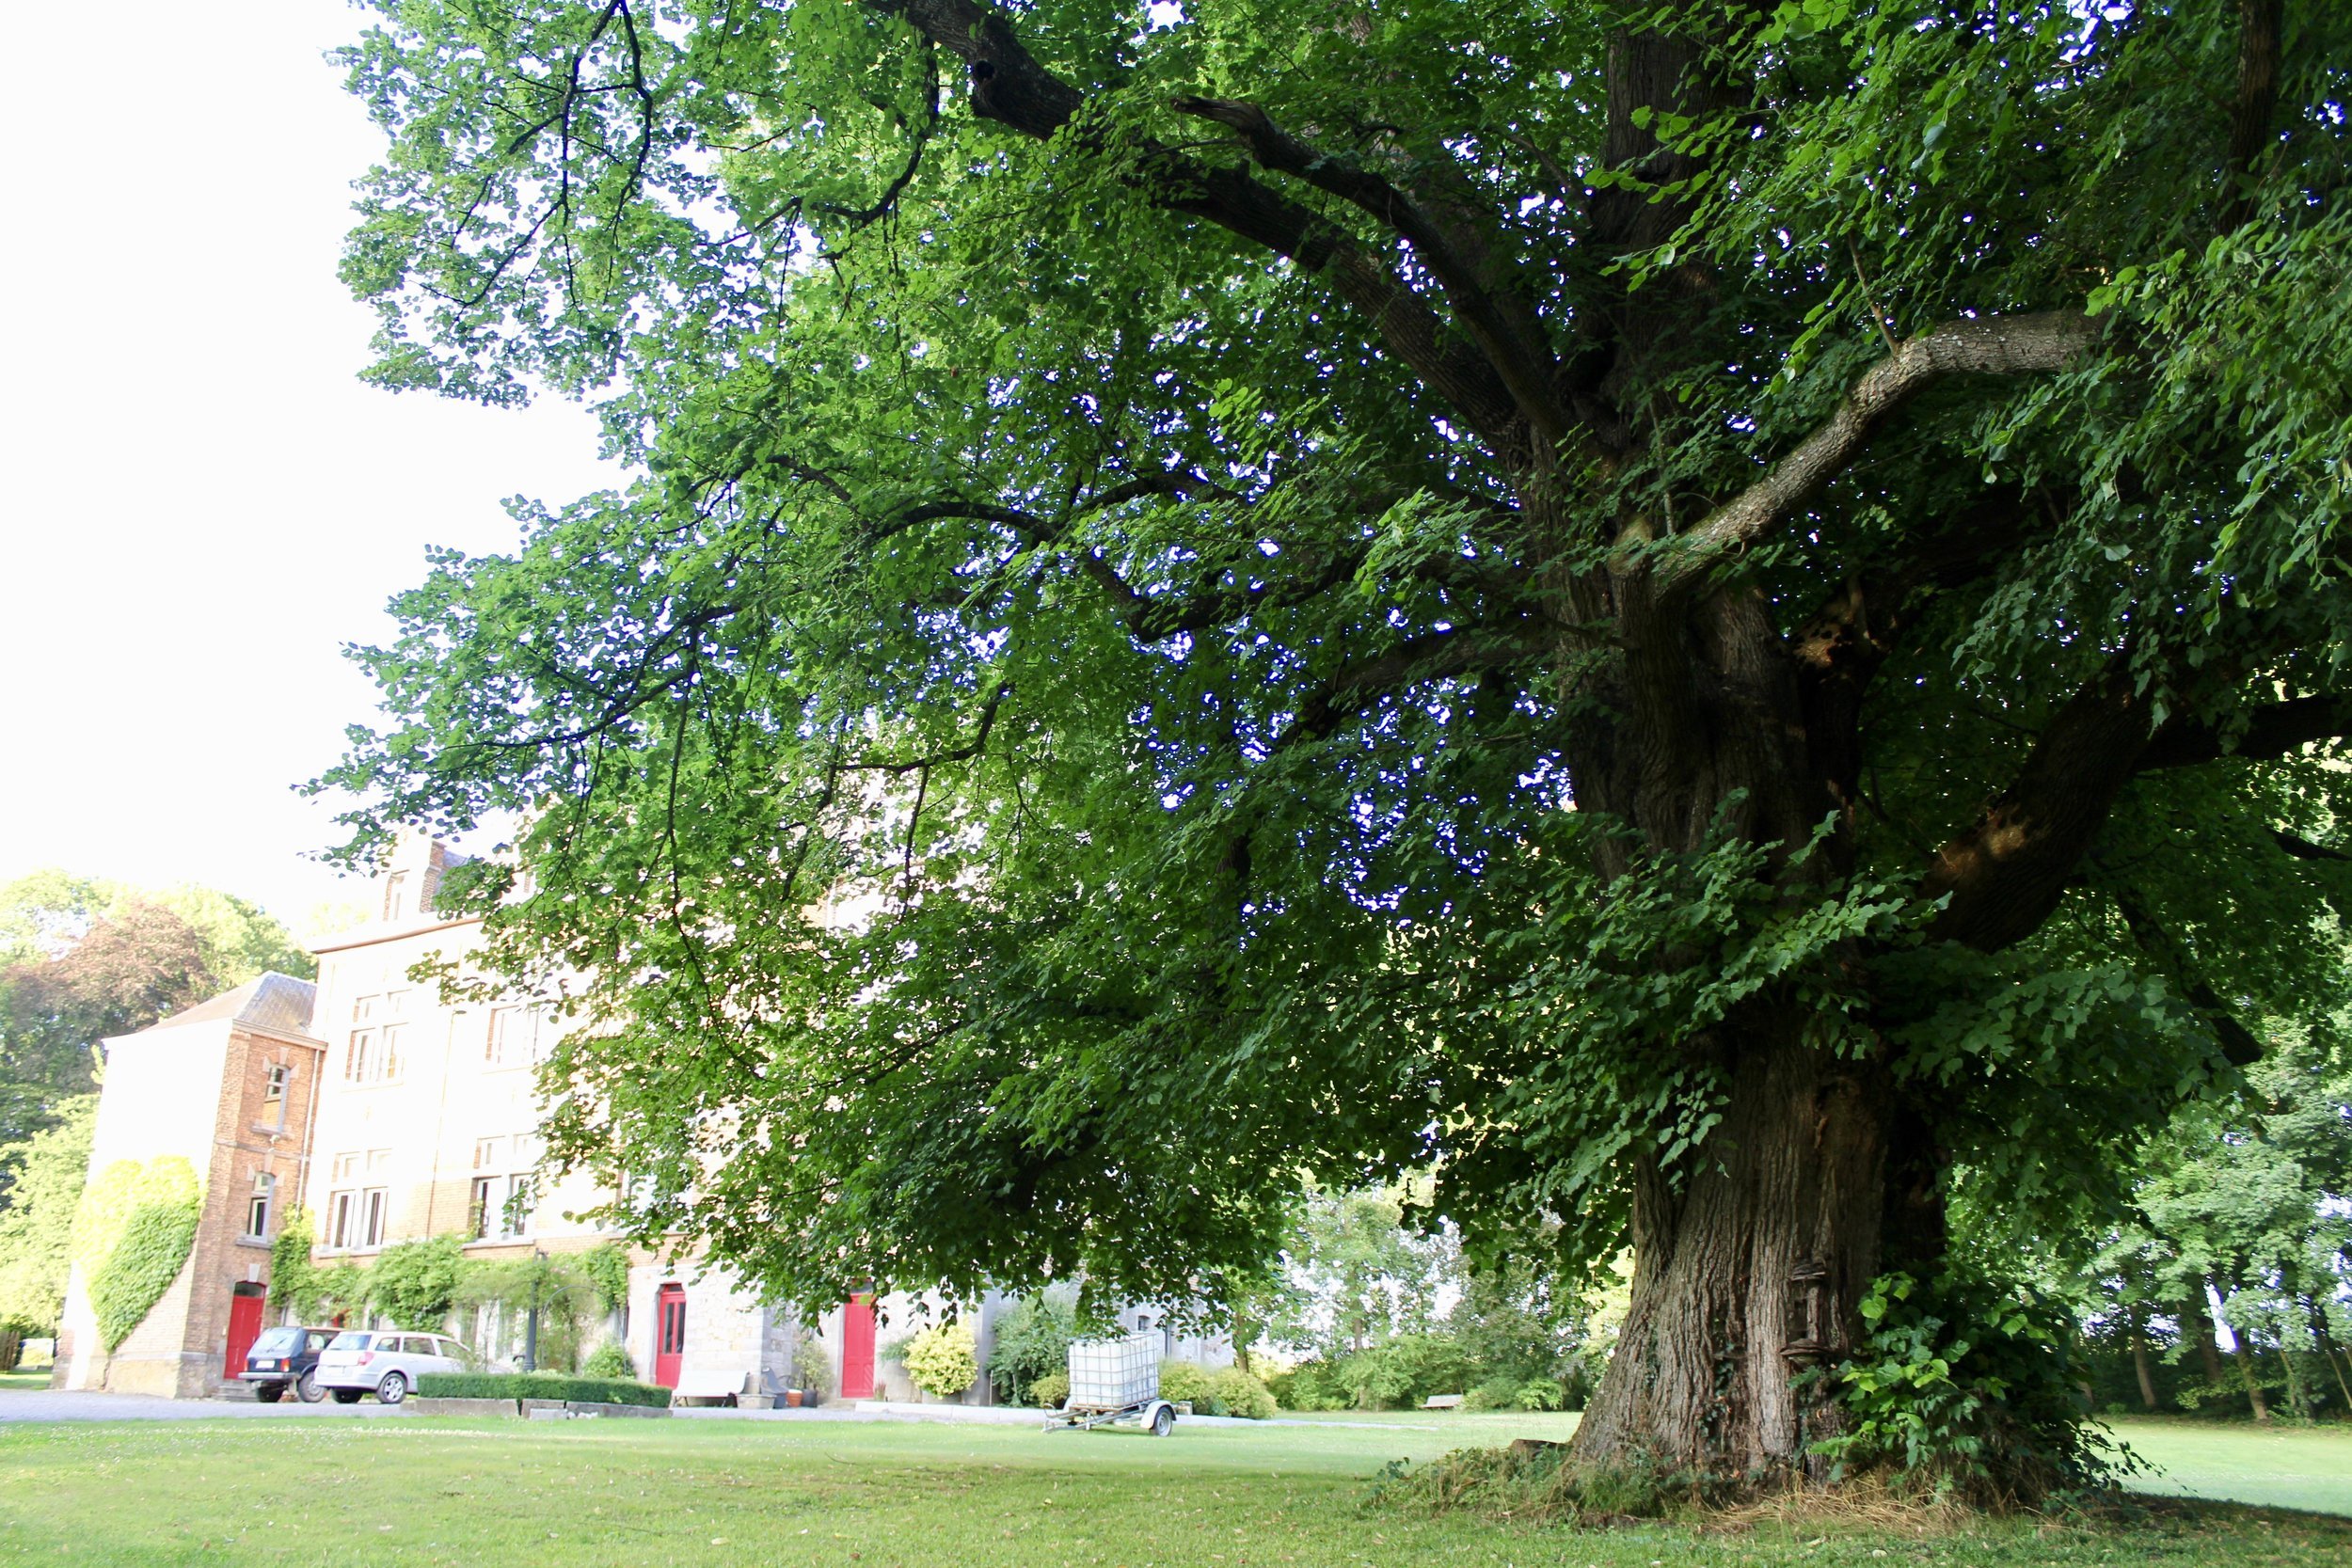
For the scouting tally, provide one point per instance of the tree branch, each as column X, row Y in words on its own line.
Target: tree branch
column 2249, row 113
column 1515, row 348
column 1997, row 345
column 2008, row 871
column 1011, row 89
column 2238, row 1044
column 2269, row 733
column 1433, row 656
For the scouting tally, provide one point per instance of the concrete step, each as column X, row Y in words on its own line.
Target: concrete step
column 238, row 1390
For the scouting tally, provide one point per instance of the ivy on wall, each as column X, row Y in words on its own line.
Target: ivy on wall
column 294, row 1282
column 133, row 1231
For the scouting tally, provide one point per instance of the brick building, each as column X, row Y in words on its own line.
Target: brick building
column 230, row 1085
column 392, row 1113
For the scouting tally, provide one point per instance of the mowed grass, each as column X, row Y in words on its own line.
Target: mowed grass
column 689, row 1493
column 2284, row 1466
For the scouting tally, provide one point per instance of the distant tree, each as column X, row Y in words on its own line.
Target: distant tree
column 82, row 958
column 2251, row 1199
column 1353, row 1274
column 44, row 1174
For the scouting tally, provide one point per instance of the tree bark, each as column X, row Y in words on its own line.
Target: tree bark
column 2139, row 1358
column 1747, row 1277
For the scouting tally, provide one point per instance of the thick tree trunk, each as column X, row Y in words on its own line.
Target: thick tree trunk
column 1746, row 1274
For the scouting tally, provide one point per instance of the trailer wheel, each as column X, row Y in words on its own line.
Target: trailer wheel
column 1163, row 1420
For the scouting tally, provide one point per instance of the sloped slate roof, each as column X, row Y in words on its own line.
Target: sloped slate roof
column 274, row 1001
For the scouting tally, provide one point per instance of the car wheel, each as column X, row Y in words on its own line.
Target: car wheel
column 347, row 1396
column 1163, row 1422
column 306, row 1387
column 393, row 1390
column 269, row 1393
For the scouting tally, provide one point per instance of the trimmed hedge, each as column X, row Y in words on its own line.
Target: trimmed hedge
column 539, row 1386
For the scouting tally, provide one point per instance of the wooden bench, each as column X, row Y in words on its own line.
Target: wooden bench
column 1442, row 1401
column 725, row 1387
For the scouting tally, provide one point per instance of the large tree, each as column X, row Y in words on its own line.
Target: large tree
column 1714, row 618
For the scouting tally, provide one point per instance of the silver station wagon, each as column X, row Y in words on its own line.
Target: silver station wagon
column 386, row 1362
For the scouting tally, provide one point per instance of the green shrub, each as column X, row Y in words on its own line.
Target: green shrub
column 1992, row 1412
column 294, row 1281
column 609, row 1361
column 1050, row 1391
column 943, row 1361
column 539, row 1386
column 1238, row 1393
column 415, row 1283
column 1187, row 1384
column 132, row 1234
column 1313, row 1385
column 1032, row 1341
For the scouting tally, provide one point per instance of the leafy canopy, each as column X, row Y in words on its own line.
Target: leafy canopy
column 1073, row 722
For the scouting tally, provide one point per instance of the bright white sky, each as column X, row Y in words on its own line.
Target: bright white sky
column 198, row 500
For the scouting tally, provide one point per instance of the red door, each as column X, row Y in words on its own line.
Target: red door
column 857, row 1347
column 245, row 1326
column 669, row 1319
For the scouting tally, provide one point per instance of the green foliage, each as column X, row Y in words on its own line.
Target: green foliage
column 1095, row 660
column 1235, row 1392
column 339, row 1289
column 1185, row 1382
column 811, row 1368
column 415, row 1283
column 1968, row 1386
column 1050, row 1392
column 609, row 1361
column 944, row 1360
column 539, row 1385
column 132, row 1234
column 1030, row 1341
column 293, row 1280
column 42, row 1176
column 605, row 1266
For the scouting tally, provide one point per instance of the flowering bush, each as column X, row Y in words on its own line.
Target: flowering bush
column 943, row 1361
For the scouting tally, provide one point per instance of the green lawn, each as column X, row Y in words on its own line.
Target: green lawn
column 686, row 1495
column 23, row 1379
column 2285, row 1467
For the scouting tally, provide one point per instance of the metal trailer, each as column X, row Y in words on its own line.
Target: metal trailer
column 1115, row 1381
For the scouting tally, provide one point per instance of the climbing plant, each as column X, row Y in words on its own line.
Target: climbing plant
column 293, row 1280
column 132, row 1232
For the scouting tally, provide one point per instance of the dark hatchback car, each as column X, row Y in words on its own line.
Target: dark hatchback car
column 284, row 1358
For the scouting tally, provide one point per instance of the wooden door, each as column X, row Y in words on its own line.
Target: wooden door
column 857, row 1347
column 669, row 1317
column 245, row 1326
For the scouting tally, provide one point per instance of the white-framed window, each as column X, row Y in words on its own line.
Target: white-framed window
column 392, row 1055
column 346, row 1166
column 343, row 1219
column 375, row 1210
column 274, row 1086
column 363, row 1008
column 508, row 1041
column 359, row 1060
column 396, row 896
column 489, row 1153
column 257, row 1205
column 396, row 1002
column 500, row 1207
column 379, row 1161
